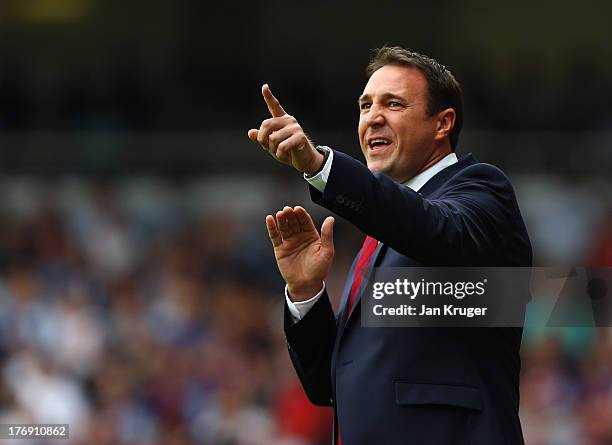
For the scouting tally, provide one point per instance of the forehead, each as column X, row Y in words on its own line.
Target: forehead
column 398, row 80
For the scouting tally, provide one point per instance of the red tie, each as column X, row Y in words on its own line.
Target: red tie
column 365, row 257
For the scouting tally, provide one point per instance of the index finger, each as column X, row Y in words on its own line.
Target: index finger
column 273, row 232
column 274, row 106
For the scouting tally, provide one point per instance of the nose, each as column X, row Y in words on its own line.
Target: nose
column 374, row 117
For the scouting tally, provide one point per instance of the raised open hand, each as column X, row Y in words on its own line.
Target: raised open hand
column 303, row 257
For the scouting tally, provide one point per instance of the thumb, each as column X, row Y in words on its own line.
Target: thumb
column 327, row 233
column 253, row 134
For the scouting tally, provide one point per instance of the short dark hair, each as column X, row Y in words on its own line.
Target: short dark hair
column 443, row 89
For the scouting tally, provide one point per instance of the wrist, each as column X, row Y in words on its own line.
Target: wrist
column 322, row 154
column 317, row 165
column 303, row 293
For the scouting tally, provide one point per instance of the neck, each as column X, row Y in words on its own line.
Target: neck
column 434, row 158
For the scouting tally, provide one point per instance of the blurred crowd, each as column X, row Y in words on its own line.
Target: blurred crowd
column 130, row 315
column 142, row 311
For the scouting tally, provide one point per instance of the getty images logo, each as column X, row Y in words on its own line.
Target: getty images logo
column 413, row 289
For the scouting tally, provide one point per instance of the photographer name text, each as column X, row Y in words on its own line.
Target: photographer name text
column 413, row 289
column 427, row 311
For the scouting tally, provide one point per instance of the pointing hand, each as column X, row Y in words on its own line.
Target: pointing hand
column 283, row 137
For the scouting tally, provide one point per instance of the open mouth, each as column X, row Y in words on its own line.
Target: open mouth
column 378, row 143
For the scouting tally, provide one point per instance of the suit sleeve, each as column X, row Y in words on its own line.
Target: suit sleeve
column 474, row 220
column 310, row 342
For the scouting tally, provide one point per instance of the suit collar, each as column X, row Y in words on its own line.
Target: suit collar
column 421, row 179
column 444, row 175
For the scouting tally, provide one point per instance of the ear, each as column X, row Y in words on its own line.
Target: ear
column 445, row 123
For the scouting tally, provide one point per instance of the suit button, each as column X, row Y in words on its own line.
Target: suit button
column 340, row 199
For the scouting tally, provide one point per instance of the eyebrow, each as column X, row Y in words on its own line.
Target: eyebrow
column 385, row 96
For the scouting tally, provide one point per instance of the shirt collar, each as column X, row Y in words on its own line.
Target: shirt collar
column 419, row 180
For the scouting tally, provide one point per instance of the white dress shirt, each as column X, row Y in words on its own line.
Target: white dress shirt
column 299, row 308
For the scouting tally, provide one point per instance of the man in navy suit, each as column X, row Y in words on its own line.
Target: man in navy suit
column 419, row 205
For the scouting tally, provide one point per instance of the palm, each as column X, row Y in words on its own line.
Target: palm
column 303, row 257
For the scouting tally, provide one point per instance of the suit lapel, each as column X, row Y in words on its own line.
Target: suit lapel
column 341, row 317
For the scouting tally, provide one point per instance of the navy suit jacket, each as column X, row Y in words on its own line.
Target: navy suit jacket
column 422, row 386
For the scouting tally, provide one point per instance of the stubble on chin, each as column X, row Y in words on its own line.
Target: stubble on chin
column 370, row 165
column 376, row 167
